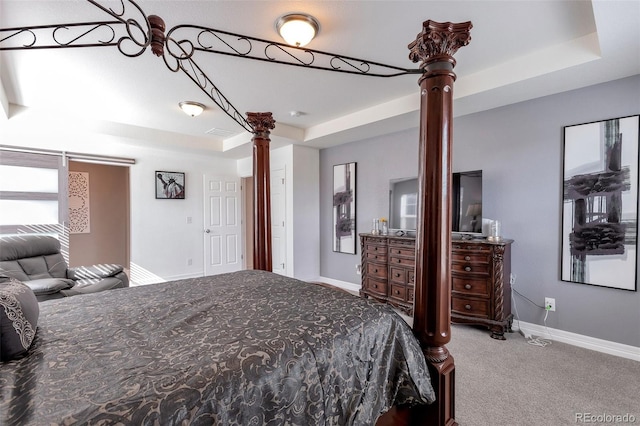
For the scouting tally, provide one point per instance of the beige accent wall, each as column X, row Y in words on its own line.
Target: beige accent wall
column 108, row 241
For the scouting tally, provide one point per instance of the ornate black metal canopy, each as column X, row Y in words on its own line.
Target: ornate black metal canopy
column 131, row 31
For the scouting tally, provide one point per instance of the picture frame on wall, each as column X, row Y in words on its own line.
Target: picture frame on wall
column 600, row 203
column 344, row 208
column 170, row 185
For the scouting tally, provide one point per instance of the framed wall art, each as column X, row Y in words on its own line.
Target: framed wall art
column 600, row 203
column 170, row 185
column 344, row 208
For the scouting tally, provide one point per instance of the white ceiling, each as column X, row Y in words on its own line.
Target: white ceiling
column 519, row 50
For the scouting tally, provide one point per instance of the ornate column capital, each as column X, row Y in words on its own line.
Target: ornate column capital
column 261, row 123
column 439, row 41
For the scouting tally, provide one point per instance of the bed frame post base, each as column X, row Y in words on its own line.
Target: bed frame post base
column 442, row 411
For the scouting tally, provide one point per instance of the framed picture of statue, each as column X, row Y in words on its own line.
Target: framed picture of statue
column 170, row 185
column 600, row 203
column 344, row 208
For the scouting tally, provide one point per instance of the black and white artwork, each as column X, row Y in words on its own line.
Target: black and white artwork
column 600, row 203
column 344, row 208
column 170, row 185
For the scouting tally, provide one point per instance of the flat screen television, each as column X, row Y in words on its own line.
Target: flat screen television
column 466, row 203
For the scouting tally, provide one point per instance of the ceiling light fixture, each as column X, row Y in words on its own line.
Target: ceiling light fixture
column 191, row 108
column 297, row 29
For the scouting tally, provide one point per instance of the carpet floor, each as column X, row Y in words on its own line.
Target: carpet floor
column 512, row 382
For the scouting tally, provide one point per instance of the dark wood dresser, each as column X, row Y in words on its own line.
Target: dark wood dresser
column 480, row 274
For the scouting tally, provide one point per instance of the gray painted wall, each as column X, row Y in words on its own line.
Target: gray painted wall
column 519, row 149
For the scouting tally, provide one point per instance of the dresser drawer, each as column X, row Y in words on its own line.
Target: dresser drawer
column 470, row 268
column 410, row 294
column 402, row 261
column 461, row 256
column 374, row 240
column 406, row 251
column 378, row 287
column 398, row 275
column 376, row 271
column 377, row 257
column 469, row 306
column 398, row 292
column 470, row 247
column 376, row 253
column 470, row 286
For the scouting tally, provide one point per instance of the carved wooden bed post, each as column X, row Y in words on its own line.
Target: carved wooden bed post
column 435, row 47
column 261, row 123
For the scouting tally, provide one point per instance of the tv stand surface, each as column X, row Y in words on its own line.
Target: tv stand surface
column 457, row 236
column 480, row 274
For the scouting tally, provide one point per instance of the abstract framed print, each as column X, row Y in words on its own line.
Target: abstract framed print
column 600, row 203
column 344, row 208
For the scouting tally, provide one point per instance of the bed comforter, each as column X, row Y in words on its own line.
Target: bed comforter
column 246, row 348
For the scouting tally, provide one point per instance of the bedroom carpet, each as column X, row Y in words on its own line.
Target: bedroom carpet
column 513, row 383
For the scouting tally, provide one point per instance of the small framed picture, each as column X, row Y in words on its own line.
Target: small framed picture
column 170, row 185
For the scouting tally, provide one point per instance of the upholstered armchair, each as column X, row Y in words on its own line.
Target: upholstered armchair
column 36, row 261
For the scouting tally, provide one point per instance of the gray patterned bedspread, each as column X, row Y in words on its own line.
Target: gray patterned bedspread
column 247, row 348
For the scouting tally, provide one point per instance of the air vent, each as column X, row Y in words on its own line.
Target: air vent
column 219, row 132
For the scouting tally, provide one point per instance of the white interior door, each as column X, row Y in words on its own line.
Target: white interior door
column 278, row 216
column 222, row 228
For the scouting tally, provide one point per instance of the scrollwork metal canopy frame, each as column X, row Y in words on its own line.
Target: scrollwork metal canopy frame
column 131, row 31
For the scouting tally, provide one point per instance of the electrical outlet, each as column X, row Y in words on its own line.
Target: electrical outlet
column 550, row 304
column 358, row 269
column 189, row 262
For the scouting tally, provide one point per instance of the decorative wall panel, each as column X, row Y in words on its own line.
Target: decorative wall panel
column 79, row 207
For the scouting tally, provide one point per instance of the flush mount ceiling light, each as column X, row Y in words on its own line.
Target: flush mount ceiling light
column 191, row 108
column 297, row 29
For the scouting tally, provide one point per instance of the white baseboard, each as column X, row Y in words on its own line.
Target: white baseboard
column 350, row 287
column 600, row 345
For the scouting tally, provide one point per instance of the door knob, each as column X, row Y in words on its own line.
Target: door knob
column 207, row 231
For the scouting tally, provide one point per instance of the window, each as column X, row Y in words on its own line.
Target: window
column 33, row 195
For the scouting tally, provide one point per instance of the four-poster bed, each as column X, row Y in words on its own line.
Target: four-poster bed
column 434, row 48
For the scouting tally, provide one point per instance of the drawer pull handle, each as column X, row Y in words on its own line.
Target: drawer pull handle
column 397, row 291
column 375, row 286
column 397, row 275
column 399, row 260
column 467, row 286
column 467, row 268
column 467, row 307
column 467, row 258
